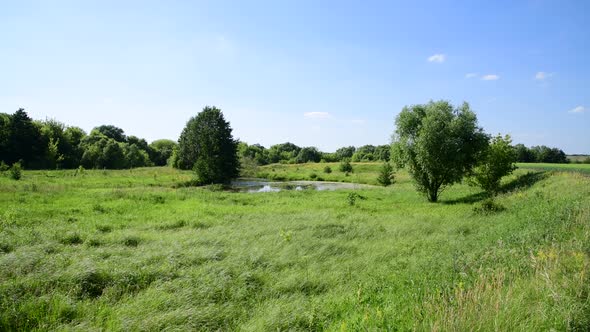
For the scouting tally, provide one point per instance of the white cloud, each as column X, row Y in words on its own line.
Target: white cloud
column 470, row 75
column 438, row 58
column 317, row 115
column 579, row 109
column 490, row 77
column 542, row 75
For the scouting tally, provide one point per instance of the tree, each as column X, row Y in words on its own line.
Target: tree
column 438, row 144
column 345, row 166
column 25, row 141
column 382, row 152
column 161, row 150
column 386, row 176
column 495, row 162
column 524, row 154
column 308, row 154
column 135, row 156
column 73, row 136
column 113, row 132
column 5, row 138
column 364, row 153
column 207, row 146
column 345, row 152
column 285, row 152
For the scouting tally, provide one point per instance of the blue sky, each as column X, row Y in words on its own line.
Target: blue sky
column 321, row 73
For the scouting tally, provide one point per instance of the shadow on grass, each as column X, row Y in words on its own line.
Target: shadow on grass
column 522, row 182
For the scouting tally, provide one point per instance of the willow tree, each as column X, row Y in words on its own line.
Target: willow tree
column 438, row 144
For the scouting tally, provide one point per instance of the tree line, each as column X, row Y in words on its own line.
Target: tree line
column 539, row 154
column 289, row 153
column 51, row 144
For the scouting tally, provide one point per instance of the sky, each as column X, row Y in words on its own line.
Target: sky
column 311, row 72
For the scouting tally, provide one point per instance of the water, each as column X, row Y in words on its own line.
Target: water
column 265, row 186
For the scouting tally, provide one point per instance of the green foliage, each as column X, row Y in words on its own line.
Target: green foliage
column 351, row 198
column 488, row 206
column 206, row 145
column 219, row 260
column 495, row 162
column 161, row 150
column 3, row 166
column 386, row 175
column 16, row 171
column 345, row 153
column 438, row 144
column 283, row 153
column 308, row 154
column 327, row 169
column 111, row 132
column 540, row 154
column 345, row 166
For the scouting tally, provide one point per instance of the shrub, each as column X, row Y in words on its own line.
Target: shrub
column 488, row 206
column 352, row 197
column 3, row 166
column 345, row 166
column 386, row 176
column 327, row 170
column 16, row 171
column 495, row 162
column 313, row 176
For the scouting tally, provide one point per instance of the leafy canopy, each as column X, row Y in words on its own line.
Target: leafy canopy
column 207, row 146
column 438, row 144
column 495, row 162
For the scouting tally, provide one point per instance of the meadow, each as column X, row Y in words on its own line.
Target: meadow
column 133, row 250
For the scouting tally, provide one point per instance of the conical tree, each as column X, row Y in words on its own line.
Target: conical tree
column 206, row 145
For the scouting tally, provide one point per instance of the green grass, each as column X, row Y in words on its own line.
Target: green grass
column 125, row 250
column 580, row 168
column 578, row 158
column 366, row 173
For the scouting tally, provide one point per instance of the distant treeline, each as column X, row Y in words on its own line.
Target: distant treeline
column 289, row 153
column 51, row 144
column 540, row 154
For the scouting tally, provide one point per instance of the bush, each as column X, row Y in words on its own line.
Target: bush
column 495, row 162
column 16, row 171
column 345, row 166
column 327, row 170
column 488, row 206
column 386, row 176
column 3, row 166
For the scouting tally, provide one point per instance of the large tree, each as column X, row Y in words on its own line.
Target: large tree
column 207, row 146
column 438, row 144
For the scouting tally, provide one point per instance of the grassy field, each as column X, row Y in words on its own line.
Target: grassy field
column 580, row 157
column 367, row 172
column 580, row 168
column 125, row 250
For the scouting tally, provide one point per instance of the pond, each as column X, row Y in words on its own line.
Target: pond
column 262, row 185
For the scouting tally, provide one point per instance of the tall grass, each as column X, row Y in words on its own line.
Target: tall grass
column 125, row 250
